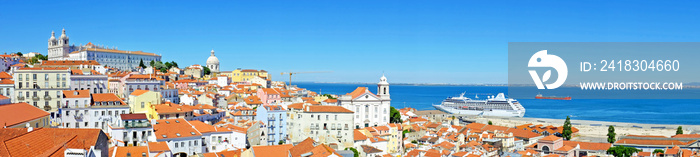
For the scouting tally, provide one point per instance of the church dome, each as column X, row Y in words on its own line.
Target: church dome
column 63, row 34
column 53, row 36
column 212, row 60
column 382, row 81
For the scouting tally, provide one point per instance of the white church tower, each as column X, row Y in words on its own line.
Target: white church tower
column 58, row 48
column 383, row 88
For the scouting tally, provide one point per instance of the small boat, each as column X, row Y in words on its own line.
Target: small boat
column 539, row 96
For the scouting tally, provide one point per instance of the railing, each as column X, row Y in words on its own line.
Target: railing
column 137, row 125
column 20, row 98
column 46, row 97
column 35, row 98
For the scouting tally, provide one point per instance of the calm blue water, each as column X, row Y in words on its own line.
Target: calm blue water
column 654, row 111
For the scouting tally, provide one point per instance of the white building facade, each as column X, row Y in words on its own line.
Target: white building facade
column 59, row 49
column 370, row 109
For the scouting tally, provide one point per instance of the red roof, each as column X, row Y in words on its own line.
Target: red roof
column 17, row 113
column 136, row 116
column 174, row 128
column 5, row 75
column 52, row 141
column 133, row 151
column 138, row 92
column 550, row 138
column 76, row 93
column 359, row 91
column 275, row 150
column 332, row 109
column 158, row 146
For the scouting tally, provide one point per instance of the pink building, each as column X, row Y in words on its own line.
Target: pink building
column 269, row 96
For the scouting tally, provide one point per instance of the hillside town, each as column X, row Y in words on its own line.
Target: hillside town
column 95, row 101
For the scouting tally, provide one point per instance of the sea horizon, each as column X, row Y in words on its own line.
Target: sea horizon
column 642, row 111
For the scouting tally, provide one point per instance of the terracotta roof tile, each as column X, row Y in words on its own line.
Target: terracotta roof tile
column 138, row 92
column 158, row 146
column 330, row 109
column 76, row 93
column 275, row 150
column 133, row 151
column 17, row 113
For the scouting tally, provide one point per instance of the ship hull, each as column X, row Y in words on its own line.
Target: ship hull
column 494, row 113
column 553, row 98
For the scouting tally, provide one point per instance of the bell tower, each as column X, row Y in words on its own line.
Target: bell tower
column 383, row 88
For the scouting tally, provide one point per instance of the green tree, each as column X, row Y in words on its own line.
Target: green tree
column 19, row 54
column 280, row 142
column 490, row 123
column 41, row 57
column 354, row 151
column 395, row 116
column 153, row 63
column 163, row 70
column 657, row 151
column 168, row 65
column 414, row 142
column 566, row 132
column 611, row 134
column 622, row 151
column 206, row 71
column 403, row 134
column 141, row 64
column 679, row 130
column 174, row 64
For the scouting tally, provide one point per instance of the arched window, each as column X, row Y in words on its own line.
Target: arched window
column 545, row 149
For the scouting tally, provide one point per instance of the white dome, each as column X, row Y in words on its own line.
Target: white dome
column 212, row 60
column 382, row 81
column 53, row 36
column 63, row 34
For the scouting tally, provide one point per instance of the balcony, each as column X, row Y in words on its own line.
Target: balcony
column 35, row 98
column 21, row 98
column 129, row 125
column 47, row 98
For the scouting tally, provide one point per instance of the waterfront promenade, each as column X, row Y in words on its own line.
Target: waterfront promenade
column 589, row 131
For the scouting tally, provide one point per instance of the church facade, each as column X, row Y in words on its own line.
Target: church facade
column 369, row 109
column 59, row 49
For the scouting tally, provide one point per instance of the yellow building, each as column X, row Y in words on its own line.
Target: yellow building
column 141, row 100
column 240, row 75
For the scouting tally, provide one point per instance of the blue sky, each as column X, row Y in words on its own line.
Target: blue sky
column 410, row 41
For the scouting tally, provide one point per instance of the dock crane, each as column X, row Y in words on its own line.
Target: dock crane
column 301, row 72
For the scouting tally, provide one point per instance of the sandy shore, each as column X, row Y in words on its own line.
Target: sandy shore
column 593, row 131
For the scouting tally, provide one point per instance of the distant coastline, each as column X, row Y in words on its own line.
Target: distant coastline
column 686, row 85
column 415, row 84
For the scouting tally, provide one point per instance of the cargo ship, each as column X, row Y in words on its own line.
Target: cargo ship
column 539, row 96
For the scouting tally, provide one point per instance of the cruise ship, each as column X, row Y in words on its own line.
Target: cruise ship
column 497, row 105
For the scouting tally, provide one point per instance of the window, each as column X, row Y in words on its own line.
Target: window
column 336, row 117
column 20, row 78
column 46, row 77
column 175, row 144
column 143, row 104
